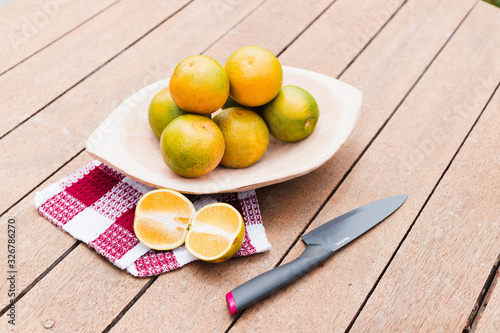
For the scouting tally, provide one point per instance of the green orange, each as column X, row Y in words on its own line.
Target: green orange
column 199, row 84
column 192, row 145
column 292, row 115
column 162, row 110
column 245, row 134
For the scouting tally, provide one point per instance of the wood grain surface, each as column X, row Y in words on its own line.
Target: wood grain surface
column 351, row 273
column 427, row 70
column 28, row 26
column 40, row 242
column 274, row 198
column 429, row 266
column 33, row 85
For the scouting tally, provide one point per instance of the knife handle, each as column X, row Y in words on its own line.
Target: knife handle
column 275, row 279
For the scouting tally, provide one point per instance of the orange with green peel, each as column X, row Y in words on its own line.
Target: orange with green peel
column 255, row 76
column 216, row 233
column 199, row 85
column 245, row 134
column 192, row 145
column 162, row 110
column 292, row 115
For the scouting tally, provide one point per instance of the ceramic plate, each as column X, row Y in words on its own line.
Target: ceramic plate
column 125, row 142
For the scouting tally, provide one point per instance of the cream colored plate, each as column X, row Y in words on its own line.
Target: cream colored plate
column 125, row 142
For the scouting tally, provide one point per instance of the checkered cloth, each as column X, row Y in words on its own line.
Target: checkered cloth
column 96, row 205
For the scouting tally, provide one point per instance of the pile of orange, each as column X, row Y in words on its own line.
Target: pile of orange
column 248, row 102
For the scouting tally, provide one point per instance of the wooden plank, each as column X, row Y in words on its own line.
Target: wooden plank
column 27, row 26
column 39, row 243
column 73, row 117
column 433, row 282
column 70, row 306
column 83, row 50
column 84, row 259
column 330, row 50
column 490, row 318
column 408, row 156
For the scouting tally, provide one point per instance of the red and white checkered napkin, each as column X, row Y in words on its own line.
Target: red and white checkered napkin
column 96, row 205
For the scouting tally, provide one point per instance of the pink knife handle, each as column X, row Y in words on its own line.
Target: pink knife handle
column 275, row 279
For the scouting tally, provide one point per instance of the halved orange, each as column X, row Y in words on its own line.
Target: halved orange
column 162, row 219
column 216, row 233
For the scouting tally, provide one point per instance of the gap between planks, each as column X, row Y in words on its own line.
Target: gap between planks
column 234, row 25
column 307, row 27
column 130, row 304
column 29, row 25
column 40, row 277
column 483, row 298
column 40, row 183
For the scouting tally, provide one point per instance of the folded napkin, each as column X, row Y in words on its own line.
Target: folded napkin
column 96, row 205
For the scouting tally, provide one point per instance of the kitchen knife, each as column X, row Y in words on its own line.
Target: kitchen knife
column 322, row 242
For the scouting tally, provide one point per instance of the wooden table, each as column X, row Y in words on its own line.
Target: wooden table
column 429, row 126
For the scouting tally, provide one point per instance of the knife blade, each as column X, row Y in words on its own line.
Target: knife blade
column 322, row 243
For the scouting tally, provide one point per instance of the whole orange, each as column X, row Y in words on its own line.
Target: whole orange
column 245, row 134
column 292, row 115
column 162, row 110
column 199, row 84
column 192, row 145
column 255, row 76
